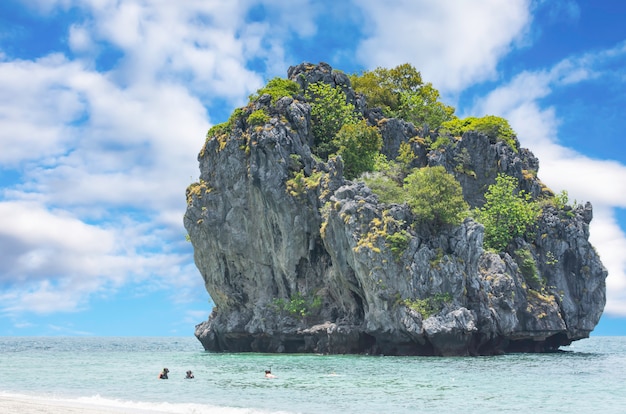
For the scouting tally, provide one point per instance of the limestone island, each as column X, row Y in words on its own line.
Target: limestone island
column 357, row 214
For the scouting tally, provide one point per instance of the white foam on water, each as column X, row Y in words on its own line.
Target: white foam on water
column 98, row 404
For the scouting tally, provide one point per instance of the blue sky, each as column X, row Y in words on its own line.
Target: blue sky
column 104, row 105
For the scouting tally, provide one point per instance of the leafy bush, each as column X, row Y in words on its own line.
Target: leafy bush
column 225, row 127
column 435, row 196
column 358, row 144
column 258, row 117
column 329, row 113
column 428, row 306
column 277, row 88
column 405, row 155
column 561, row 200
column 299, row 184
column 528, row 267
column 507, row 213
column 387, row 190
column 423, row 107
column 298, row 305
column 400, row 92
column 441, row 141
column 495, row 127
column 382, row 87
column 398, row 242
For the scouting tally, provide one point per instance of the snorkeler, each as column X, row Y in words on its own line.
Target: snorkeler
column 163, row 374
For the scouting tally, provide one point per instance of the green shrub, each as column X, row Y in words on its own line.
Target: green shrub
column 398, row 242
column 435, row 196
column 405, row 155
column 329, row 113
column 258, row 117
column 400, row 92
column 424, row 108
column 495, row 127
column 387, row 190
column 298, row 305
column 435, row 262
column 382, row 164
column 358, row 144
column 561, row 200
column 429, row 306
column 507, row 213
column 299, row 184
column 382, row 87
column 441, row 141
column 528, row 267
column 277, row 88
column 225, row 127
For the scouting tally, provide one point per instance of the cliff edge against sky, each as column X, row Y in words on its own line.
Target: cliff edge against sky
column 298, row 258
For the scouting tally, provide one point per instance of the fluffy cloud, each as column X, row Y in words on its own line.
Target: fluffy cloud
column 37, row 108
column 53, row 261
column 454, row 44
column 603, row 182
column 103, row 135
column 104, row 157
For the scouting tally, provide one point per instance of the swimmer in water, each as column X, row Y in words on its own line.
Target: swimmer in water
column 163, row 374
column 268, row 374
column 189, row 375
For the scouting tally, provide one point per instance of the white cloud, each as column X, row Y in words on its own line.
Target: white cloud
column 105, row 157
column 37, row 108
column 53, row 261
column 453, row 44
column 80, row 39
column 603, row 182
column 170, row 40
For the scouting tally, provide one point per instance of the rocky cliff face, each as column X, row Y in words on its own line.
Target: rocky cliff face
column 298, row 259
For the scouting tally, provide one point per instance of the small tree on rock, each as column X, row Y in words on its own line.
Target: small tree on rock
column 358, row 144
column 329, row 112
column 507, row 213
column 435, row 196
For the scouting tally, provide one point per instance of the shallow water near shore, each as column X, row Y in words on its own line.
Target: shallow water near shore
column 589, row 375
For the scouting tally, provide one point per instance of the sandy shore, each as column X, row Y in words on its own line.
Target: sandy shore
column 25, row 405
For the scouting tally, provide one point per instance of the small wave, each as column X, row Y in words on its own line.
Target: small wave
column 136, row 407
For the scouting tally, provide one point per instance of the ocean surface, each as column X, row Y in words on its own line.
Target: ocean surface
column 587, row 377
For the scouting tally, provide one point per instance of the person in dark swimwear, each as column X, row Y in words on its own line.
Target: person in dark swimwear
column 268, row 374
column 163, row 374
column 189, row 375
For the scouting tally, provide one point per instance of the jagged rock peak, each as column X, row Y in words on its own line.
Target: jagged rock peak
column 298, row 259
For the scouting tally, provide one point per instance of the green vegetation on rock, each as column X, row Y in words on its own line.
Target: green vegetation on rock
column 401, row 93
column 329, row 113
column 387, row 190
column 507, row 213
column 358, row 144
column 225, row 127
column 398, row 242
column 495, row 127
column 277, row 88
column 299, row 305
column 528, row 267
column 429, row 306
column 435, row 196
column 299, row 183
column 258, row 117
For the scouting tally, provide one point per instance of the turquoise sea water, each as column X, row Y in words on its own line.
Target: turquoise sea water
column 590, row 376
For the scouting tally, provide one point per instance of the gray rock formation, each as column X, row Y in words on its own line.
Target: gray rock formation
column 298, row 259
